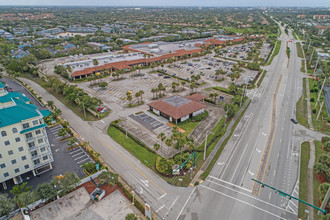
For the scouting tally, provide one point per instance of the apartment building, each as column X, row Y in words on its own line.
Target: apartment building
column 24, row 145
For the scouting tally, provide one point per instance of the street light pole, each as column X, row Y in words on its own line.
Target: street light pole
column 207, row 132
column 133, row 197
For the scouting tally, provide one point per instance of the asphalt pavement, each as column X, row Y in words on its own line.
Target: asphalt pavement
column 261, row 145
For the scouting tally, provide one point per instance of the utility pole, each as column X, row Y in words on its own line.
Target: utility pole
column 318, row 97
column 325, row 201
column 84, row 109
column 311, row 56
column 317, row 63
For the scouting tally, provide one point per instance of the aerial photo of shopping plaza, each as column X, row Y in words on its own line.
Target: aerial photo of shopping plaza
column 164, row 110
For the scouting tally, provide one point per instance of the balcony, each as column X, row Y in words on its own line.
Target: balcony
column 33, row 148
column 30, row 139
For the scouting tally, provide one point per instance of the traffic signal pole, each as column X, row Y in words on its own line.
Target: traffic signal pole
column 281, row 193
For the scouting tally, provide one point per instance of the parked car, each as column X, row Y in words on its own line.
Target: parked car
column 159, row 74
column 166, row 77
column 294, row 121
column 100, row 109
column 103, row 110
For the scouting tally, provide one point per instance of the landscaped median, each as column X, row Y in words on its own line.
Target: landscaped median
column 303, row 182
column 299, row 50
column 275, row 52
column 301, row 113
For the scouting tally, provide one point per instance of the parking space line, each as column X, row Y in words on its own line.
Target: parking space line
column 78, row 154
column 80, row 157
column 75, row 151
column 78, row 162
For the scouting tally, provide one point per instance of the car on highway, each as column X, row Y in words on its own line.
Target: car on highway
column 294, row 121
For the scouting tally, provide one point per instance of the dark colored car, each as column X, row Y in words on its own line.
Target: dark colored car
column 294, row 120
column 166, row 77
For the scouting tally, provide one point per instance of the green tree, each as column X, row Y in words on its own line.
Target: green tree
column 156, row 146
column 20, row 188
column 131, row 216
column 6, row 205
column 50, row 104
column 65, row 183
column 26, row 198
column 230, row 110
column 45, row 191
column 103, row 85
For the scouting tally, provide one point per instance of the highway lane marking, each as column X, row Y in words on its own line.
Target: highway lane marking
column 139, row 171
column 258, row 150
column 252, row 174
column 270, row 195
column 186, row 202
column 172, row 205
column 161, row 196
column 225, row 182
column 263, row 134
column 270, row 136
column 239, row 161
column 246, row 202
column 160, row 208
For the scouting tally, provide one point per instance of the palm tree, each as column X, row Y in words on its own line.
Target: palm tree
column 169, row 143
column 137, row 95
column 50, row 104
column 56, row 113
column 141, row 94
column 153, row 90
column 215, row 95
column 156, row 146
column 211, row 95
column 183, row 83
column 95, row 63
column 162, row 137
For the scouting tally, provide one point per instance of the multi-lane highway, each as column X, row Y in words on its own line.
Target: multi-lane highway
column 265, row 146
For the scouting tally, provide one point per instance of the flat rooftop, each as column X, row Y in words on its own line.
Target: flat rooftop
column 111, row 58
column 176, row 100
column 160, row 48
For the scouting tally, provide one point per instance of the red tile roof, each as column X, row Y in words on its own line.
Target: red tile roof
column 176, row 112
column 196, row 97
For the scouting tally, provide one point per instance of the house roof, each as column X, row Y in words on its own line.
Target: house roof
column 19, row 112
column 196, row 97
column 2, row 85
column 176, row 106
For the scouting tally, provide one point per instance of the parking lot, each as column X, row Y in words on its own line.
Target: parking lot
column 63, row 161
column 147, row 121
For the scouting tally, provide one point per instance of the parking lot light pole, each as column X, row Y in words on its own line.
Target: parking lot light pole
column 207, row 133
column 133, row 197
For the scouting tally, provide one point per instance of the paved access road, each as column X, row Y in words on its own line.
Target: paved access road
column 265, row 145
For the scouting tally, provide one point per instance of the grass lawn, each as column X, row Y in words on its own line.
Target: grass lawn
column 146, row 157
column 188, row 127
column 294, row 35
column 276, row 51
column 299, row 50
column 302, row 69
column 304, row 159
column 301, row 113
column 262, row 78
column 320, row 124
column 316, row 183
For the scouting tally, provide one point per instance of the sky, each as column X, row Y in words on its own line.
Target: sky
column 206, row 3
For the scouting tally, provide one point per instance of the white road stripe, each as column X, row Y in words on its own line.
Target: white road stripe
column 242, row 202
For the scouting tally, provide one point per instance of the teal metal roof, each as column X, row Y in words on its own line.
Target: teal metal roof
column 19, row 112
column 33, row 128
column 2, row 85
column 45, row 112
